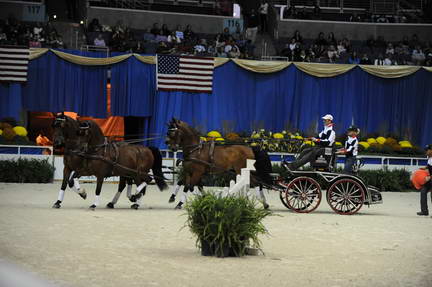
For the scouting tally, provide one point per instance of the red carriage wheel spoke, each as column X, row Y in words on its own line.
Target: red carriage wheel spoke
column 303, row 195
column 346, row 196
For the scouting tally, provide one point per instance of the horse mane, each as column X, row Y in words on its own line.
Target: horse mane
column 97, row 136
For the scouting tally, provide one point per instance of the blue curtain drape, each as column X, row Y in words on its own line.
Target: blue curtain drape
column 10, row 100
column 57, row 85
column 241, row 100
column 133, row 86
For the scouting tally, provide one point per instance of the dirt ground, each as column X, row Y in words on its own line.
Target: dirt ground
column 385, row 245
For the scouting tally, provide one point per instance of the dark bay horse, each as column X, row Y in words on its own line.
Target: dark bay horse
column 201, row 157
column 66, row 132
column 105, row 159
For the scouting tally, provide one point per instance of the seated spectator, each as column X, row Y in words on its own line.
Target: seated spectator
column 382, row 19
column 414, row 41
column 353, row 59
column 332, row 54
column 286, row 51
column 161, row 37
column 188, row 33
column 221, row 52
column 379, row 61
column 37, row 30
column 418, row 56
column 331, row 40
column 99, row 41
column 388, row 61
column 211, row 50
column 341, row 48
column 219, row 41
column 155, row 29
column 390, row 49
column 201, row 47
column 163, row 48
column 320, row 41
column 235, row 52
column 355, row 18
column 365, row 60
column 94, row 26
column 35, row 43
column 173, row 38
column 303, row 57
column 179, row 33
column 149, row 37
column 293, row 45
column 303, row 14
column 165, row 31
column 298, row 38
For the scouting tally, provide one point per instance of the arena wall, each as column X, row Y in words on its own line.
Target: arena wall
column 144, row 19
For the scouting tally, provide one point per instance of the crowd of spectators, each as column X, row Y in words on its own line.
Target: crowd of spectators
column 14, row 32
column 170, row 40
column 328, row 49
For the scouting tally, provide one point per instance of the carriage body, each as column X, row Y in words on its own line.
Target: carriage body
column 302, row 191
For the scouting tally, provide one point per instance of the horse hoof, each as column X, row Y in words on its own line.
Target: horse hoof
column 171, row 199
column 266, row 206
column 110, row 205
column 57, row 204
column 133, row 198
column 178, row 206
column 83, row 194
column 134, row 206
column 92, row 207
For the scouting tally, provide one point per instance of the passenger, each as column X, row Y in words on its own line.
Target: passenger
column 351, row 149
column 427, row 185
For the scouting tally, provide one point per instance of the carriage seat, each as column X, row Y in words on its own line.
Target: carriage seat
column 326, row 162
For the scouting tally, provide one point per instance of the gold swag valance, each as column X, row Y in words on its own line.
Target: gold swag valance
column 313, row 69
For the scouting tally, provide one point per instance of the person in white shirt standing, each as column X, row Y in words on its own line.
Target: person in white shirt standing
column 326, row 138
column 263, row 11
column 351, row 149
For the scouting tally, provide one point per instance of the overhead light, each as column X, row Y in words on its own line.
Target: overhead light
column 55, row 16
column 81, row 22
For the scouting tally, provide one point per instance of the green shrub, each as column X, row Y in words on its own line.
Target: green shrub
column 387, row 180
column 233, row 221
column 26, row 171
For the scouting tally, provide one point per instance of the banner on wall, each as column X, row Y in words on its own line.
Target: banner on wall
column 233, row 25
column 33, row 13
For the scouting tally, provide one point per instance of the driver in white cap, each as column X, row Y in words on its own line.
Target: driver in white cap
column 326, row 138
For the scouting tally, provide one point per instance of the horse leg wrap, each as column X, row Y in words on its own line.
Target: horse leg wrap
column 76, row 187
column 61, row 195
column 129, row 190
column 176, row 190
column 116, row 198
column 183, row 198
column 140, row 187
column 97, row 200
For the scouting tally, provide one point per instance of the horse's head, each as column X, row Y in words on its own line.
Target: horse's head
column 60, row 125
column 89, row 134
column 174, row 134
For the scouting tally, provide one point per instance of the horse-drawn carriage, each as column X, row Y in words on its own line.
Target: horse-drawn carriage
column 346, row 194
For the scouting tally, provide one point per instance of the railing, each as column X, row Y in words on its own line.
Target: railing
column 12, row 152
column 92, row 48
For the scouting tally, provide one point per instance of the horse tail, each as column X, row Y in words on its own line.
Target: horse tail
column 157, row 169
column 262, row 165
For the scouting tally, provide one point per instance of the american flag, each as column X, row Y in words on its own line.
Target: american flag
column 185, row 73
column 13, row 63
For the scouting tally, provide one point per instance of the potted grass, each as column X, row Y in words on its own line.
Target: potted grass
column 225, row 225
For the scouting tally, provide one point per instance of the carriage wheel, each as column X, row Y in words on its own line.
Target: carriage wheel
column 345, row 196
column 303, row 194
column 282, row 196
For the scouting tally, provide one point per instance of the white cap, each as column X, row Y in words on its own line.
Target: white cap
column 328, row 117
